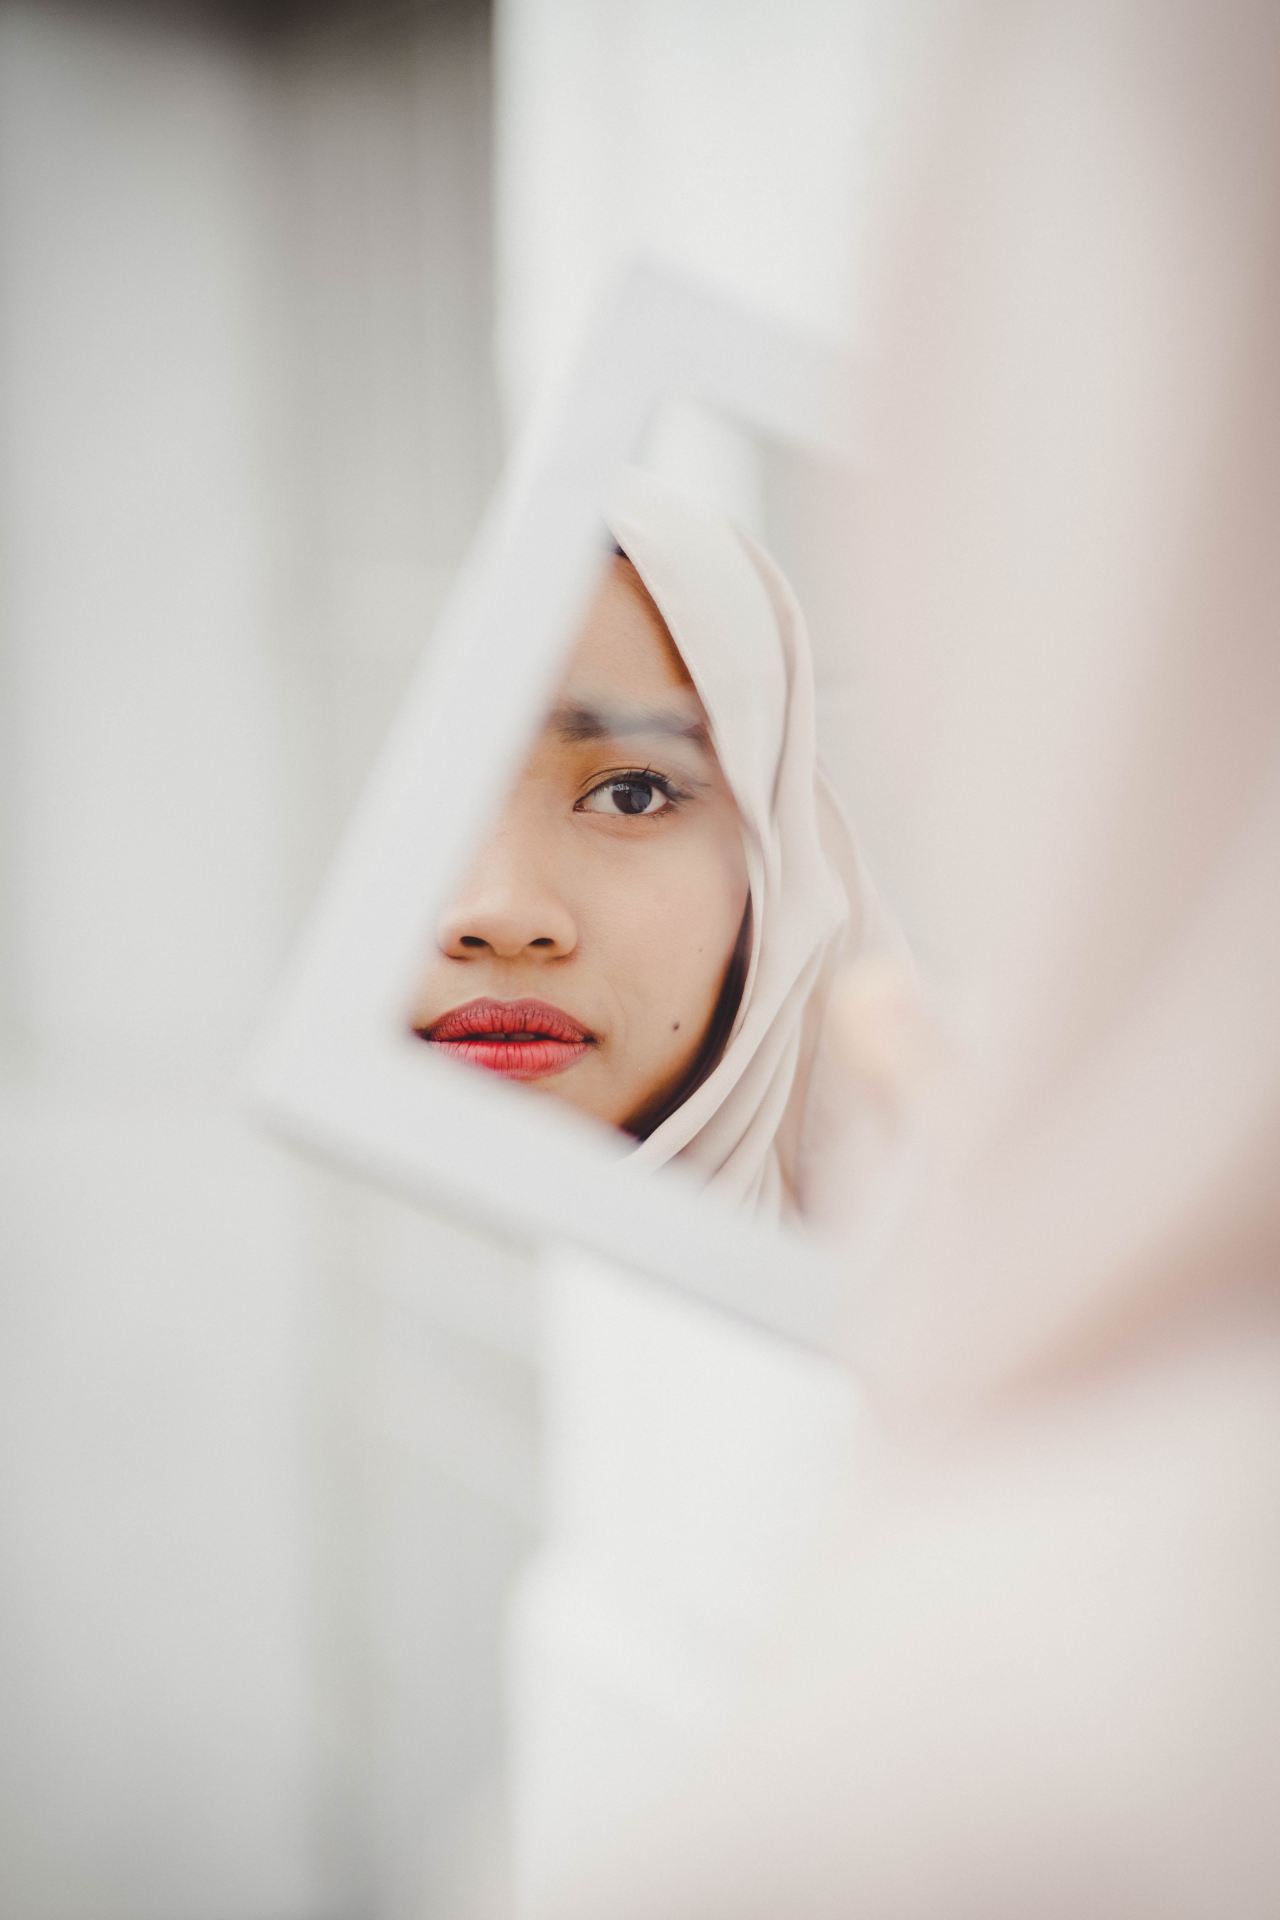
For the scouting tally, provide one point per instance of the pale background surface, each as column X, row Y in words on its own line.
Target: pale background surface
column 272, row 1445
column 258, row 1516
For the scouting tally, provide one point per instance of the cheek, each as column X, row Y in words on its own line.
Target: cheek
column 666, row 927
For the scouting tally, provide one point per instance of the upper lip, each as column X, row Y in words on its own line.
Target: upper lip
column 486, row 1017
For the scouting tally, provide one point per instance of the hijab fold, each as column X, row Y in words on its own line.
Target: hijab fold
column 741, row 634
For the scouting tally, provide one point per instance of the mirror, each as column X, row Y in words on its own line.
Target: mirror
column 650, row 921
column 601, row 812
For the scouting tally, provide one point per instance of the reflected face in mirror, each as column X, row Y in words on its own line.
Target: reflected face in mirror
column 597, row 949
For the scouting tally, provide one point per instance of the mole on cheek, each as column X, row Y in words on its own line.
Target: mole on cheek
column 675, row 1026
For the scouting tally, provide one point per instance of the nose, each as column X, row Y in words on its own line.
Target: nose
column 509, row 907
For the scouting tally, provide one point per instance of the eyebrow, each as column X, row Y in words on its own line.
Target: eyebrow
column 576, row 722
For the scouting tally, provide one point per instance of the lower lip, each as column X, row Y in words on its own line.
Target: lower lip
column 533, row 1059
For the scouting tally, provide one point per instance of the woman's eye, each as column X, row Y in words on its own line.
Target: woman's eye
column 629, row 796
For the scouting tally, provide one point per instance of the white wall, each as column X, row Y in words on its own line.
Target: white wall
column 735, row 137
column 268, row 1441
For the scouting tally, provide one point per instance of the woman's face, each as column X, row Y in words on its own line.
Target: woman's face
column 586, row 952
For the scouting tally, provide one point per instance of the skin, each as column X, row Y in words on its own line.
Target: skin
column 626, row 920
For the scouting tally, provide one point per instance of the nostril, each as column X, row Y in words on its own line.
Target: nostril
column 501, row 941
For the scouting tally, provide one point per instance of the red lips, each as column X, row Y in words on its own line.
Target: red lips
column 520, row 1039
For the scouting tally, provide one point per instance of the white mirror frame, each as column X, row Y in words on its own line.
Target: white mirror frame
column 335, row 1066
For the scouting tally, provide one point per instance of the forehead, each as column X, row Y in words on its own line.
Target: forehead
column 623, row 650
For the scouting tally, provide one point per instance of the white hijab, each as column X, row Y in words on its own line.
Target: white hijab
column 751, row 1125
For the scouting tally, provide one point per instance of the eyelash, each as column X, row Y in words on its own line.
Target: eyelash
column 637, row 776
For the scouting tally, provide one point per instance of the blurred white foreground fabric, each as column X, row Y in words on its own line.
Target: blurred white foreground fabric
column 1036, row 1671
